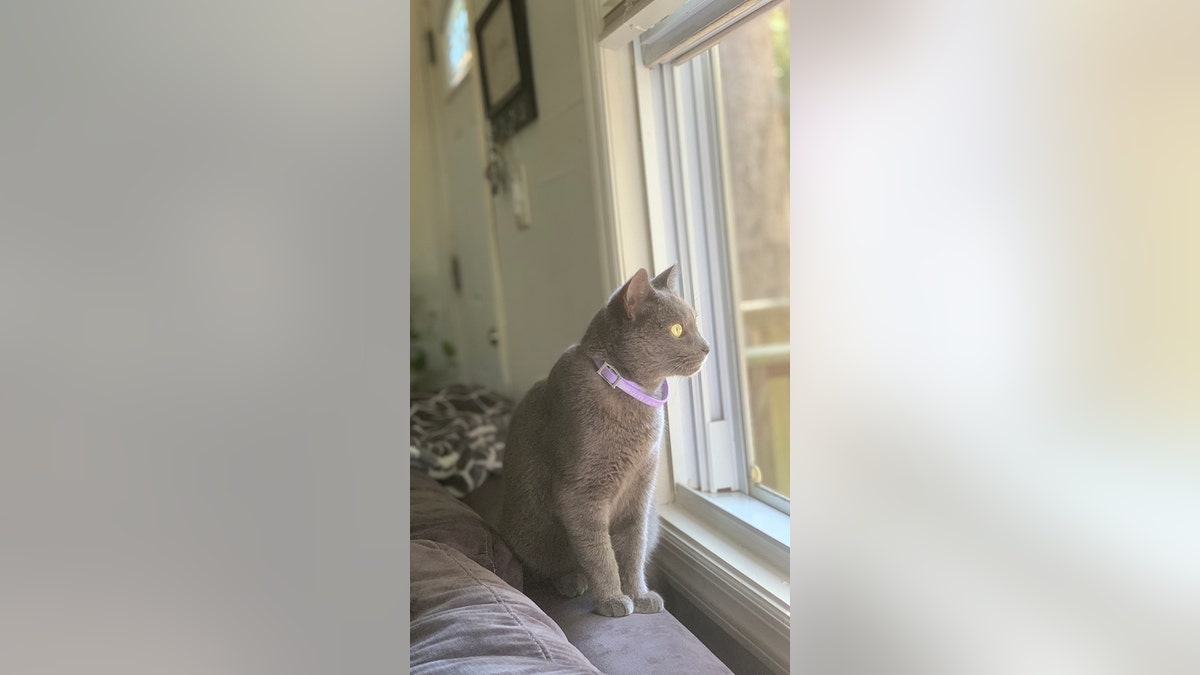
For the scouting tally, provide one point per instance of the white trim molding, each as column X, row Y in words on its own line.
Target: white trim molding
column 743, row 593
column 697, row 26
column 610, row 96
column 630, row 18
column 744, row 521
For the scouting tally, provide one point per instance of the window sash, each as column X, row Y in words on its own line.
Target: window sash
column 623, row 20
column 695, row 27
column 710, row 412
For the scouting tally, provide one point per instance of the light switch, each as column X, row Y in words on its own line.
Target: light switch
column 520, row 198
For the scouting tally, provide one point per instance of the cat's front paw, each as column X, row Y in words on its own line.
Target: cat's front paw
column 619, row 605
column 648, row 603
column 571, row 585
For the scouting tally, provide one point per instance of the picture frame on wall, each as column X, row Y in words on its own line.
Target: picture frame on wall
column 506, row 67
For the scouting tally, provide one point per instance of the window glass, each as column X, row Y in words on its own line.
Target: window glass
column 753, row 71
column 457, row 39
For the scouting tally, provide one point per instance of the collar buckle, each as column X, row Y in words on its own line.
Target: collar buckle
column 616, row 375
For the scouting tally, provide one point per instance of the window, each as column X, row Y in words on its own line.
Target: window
column 753, row 76
column 718, row 98
column 456, row 33
column 700, row 175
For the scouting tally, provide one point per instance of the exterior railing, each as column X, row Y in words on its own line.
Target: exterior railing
column 766, row 362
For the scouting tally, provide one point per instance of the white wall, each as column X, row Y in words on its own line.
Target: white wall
column 552, row 275
column 552, row 272
column 436, row 309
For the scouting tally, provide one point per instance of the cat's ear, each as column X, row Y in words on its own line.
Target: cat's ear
column 633, row 294
column 668, row 279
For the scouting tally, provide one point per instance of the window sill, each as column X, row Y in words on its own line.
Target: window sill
column 743, row 588
column 744, row 521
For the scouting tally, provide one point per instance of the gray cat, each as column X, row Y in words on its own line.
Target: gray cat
column 582, row 449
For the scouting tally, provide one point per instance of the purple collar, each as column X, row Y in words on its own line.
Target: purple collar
column 614, row 379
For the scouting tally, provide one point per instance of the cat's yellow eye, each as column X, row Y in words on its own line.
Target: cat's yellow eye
column 676, row 330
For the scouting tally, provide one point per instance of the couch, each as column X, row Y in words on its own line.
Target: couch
column 472, row 612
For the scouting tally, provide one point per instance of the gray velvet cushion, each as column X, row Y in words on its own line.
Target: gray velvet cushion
column 638, row 643
column 465, row 619
column 436, row 515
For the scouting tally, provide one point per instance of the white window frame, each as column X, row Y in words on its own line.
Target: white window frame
column 715, row 504
column 727, row 552
column 692, row 232
column 682, row 119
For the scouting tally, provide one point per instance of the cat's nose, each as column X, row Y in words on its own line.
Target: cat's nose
column 704, row 347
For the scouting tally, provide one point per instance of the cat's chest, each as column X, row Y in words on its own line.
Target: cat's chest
column 625, row 432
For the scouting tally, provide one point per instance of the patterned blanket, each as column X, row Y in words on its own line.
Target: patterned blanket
column 456, row 435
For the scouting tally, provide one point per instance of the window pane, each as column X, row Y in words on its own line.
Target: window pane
column 755, row 105
column 458, row 42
